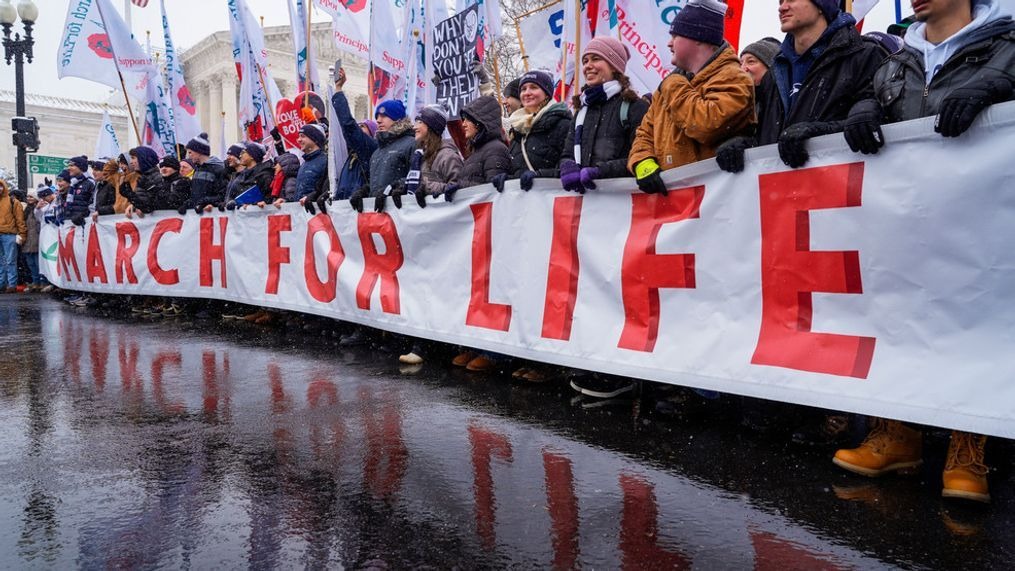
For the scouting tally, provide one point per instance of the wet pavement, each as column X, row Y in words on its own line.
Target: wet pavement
column 190, row 444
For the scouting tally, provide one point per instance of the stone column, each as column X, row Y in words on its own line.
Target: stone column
column 215, row 115
column 203, row 105
column 229, row 106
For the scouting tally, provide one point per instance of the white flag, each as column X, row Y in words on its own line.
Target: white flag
column 387, row 28
column 183, row 109
column 158, row 122
column 860, row 8
column 302, row 47
column 350, row 24
column 255, row 113
column 338, row 152
column 107, row 146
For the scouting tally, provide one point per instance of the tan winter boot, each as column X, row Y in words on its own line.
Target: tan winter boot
column 890, row 446
column 965, row 474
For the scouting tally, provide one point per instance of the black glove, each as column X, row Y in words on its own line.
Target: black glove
column 78, row 220
column 793, row 140
column 356, row 199
column 308, row 205
column 498, row 181
column 276, row 135
column 231, row 205
column 199, row 209
column 963, row 104
column 653, row 184
column 380, row 202
column 182, row 210
column 526, row 180
column 730, row 155
column 863, row 127
column 322, row 202
column 421, row 198
column 449, row 192
column 221, row 206
column 397, row 192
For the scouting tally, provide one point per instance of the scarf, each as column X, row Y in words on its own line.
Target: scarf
column 276, row 184
column 595, row 95
column 522, row 121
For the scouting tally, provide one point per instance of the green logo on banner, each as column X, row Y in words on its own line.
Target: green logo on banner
column 50, row 253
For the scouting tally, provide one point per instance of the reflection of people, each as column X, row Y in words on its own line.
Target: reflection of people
column 471, row 26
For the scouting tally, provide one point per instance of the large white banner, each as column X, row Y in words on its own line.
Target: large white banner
column 873, row 285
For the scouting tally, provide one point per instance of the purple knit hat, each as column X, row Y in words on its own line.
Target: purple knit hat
column 371, row 126
column 701, row 20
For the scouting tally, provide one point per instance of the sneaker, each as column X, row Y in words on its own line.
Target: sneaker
column 890, row 446
column 48, row 289
column 410, row 358
column 602, row 387
column 155, row 310
column 965, row 473
column 137, row 309
column 833, row 430
column 357, row 337
column 72, row 298
column 229, row 315
column 172, row 310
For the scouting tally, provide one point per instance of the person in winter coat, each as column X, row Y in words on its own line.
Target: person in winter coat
column 359, row 142
column 256, row 172
column 175, row 187
column 148, row 195
column 30, row 249
column 707, row 99
column 13, row 233
column 77, row 202
column 389, row 164
column 489, row 155
column 757, row 58
column 959, row 59
column 108, row 199
column 823, row 68
column 312, row 178
column 208, row 184
column 537, row 133
column 436, row 163
column 283, row 183
column 608, row 113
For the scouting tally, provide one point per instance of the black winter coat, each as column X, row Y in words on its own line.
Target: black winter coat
column 543, row 144
column 149, row 195
column 839, row 77
column 260, row 175
column 606, row 142
column 290, row 168
column 490, row 156
column 389, row 163
column 177, row 191
column 209, row 183
column 105, row 197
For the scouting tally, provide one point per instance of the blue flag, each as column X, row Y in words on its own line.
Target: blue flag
column 250, row 196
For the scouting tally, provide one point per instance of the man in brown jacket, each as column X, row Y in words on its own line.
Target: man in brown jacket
column 707, row 100
column 13, row 233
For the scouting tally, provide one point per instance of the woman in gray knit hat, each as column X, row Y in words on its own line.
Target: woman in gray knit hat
column 756, row 58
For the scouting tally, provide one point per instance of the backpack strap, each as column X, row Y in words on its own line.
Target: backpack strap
column 625, row 110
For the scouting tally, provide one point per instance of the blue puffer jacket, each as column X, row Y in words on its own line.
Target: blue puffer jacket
column 390, row 163
column 78, row 201
column 356, row 170
column 313, row 175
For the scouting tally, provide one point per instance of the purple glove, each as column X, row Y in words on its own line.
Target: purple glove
column 570, row 176
column 588, row 178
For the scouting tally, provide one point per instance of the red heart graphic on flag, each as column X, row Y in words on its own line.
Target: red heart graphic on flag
column 290, row 117
column 99, row 43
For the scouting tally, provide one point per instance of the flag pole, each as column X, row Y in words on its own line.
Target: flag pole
column 306, row 40
column 496, row 73
column 123, row 85
column 521, row 46
column 577, row 41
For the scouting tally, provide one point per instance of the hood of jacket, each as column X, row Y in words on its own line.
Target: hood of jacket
column 401, row 128
column 213, row 164
column 987, row 23
column 290, row 164
column 485, row 112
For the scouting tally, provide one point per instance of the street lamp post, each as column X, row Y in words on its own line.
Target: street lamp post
column 18, row 49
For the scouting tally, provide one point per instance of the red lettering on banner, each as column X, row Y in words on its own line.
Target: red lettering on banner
column 791, row 273
column 277, row 253
column 95, row 266
column 324, row 292
column 377, row 266
column 562, row 277
column 66, row 255
column 162, row 276
column 563, row 507
column 639, row 528
column 645, row 272
column 211, row 252
column 485, row 444
column 384, row 442
column 482, row 313
column 124, row 262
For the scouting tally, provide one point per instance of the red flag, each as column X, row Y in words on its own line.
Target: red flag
column 139, row 3
column 734, row 16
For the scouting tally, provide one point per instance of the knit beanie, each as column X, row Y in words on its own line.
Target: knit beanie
column 315, row 132
column 371, row 126
column 147, row 158
column 255, row 150
column 64, row 175
column 44, row 192
column 200, row 145
column 96, row 165
column 170, row 162
column 889, row 42
column 610, row 49
column 764, row 49
column 830, row 8
column 392, row 109
column 542, row 79
column 234, row 151
column 701, row 21
column 81, row 162
column 513, row 89
column 435, row 117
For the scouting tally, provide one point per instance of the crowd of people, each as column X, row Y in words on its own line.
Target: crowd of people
column 824, row 77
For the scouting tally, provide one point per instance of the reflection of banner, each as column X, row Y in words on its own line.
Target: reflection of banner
column 454, row 48
column 710, row 286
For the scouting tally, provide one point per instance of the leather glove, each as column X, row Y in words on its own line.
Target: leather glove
column 647, row 175
column 793, row 140
column 498, row 181
column 450, row 191
column 863, row 127
column 570, row 176
column 397, row 192
column 308, row 205
column 588, row 177
column 420, row 198
column 322, row 202
column 231, row 205
column 182, row 210
column 963, row 104
column 78, row 220
column 275, row 135
column 356, row 199
column 730, row 155
column 526, row 180
column 479, row 70
column 199, row 209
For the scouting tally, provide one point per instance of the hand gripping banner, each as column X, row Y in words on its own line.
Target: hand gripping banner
column 877, row 285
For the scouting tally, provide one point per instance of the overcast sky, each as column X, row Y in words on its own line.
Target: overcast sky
column 193, row 20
